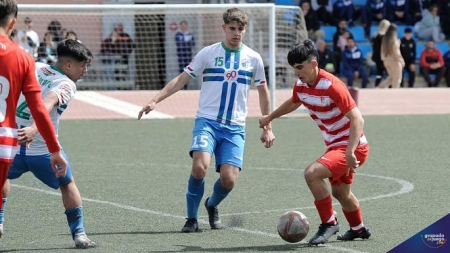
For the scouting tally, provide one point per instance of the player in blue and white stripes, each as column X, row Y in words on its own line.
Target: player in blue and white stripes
column 228, row 68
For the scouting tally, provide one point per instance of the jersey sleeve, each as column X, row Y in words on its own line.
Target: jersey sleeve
column 198, row 64
column 260, row 76
column 295, row 98
column 65, row 91
column 340, row 94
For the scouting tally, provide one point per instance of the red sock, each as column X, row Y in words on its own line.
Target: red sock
column 325, row 209
column 354, row 218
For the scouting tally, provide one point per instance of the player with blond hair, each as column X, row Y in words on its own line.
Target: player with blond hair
column 228, row 67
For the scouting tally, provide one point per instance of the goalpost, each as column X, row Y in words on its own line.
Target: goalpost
column 148, row 58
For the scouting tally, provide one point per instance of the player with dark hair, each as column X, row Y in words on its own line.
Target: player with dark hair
column 333, row 109
column 17, row 75
column 58, row 88
column 228, row 67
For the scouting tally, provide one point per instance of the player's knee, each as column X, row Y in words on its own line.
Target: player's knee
column 310, row 174
column 228, row 182
column 199, row 170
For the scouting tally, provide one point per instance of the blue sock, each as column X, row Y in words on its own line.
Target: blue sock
column 194, row 194
column 75, row 220
column 219, row 194
column 2, row 211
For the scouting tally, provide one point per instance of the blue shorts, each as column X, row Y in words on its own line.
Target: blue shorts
column 41, row 167
column 226, row 142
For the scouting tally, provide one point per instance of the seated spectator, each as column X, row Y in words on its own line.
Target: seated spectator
column 376, row 49
column 392, row 58
column 353, row 64
column 415, row 10
column 432, row 62
column 341, row 31
column 72, row 35
column 326, row 59
column 375, row 10
column 342, row 41
column 430, row 27
column 408, row 50
column 56, row 29
column 312, row 22
column 447, row 68
column 397, row 11
column 324, row 10
column 47, row 49
column 344, row 9
column 372, row 66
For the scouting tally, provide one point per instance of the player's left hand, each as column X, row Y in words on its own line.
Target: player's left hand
column 146, row 109
column 352, row 162
column 26, row 135
column 267, row 137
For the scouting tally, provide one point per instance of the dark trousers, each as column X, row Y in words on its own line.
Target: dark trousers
column 380, row 72
column 439, row 72
column 411, row 75
column 447, row 75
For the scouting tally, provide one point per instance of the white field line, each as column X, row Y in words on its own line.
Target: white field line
column 117, row 105
column 136, row 209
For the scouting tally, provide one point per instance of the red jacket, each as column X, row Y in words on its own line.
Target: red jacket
column 427, row 58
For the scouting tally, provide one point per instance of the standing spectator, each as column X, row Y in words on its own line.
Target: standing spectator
column 47, row 49
column 397, row 11
column 432, row 62
column 430, row 26
column 185, row 43
column 392, row 58
column 375, row 10
column 376, row 49
column 345, row 9
column 326, row 59
column 57, row 30
column 341, row 30
column 353, row 64
column 312, row 22
column 28, row 38
column 447, row 68
column 408, row 50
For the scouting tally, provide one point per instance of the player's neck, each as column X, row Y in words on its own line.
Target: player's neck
column 231, row 47
column 313, row 81
column 3, row 32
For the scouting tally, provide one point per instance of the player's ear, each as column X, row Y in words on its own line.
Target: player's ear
column 12, row 24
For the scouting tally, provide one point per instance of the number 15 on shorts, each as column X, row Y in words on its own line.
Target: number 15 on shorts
column 200, row 141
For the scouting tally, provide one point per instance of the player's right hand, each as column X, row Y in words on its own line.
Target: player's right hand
column 59, row 164
column 146, row 109
column 26, row 135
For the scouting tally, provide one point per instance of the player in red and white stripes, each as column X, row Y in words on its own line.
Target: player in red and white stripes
column 335, row 112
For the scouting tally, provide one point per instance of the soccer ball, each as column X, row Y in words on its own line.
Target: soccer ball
column 293, row 226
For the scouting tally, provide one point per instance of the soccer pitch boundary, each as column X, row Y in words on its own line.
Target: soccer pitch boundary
column 406, row 187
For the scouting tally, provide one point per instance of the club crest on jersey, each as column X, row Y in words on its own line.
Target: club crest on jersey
column 245, row 63
column 322, row 100
column 47, row 72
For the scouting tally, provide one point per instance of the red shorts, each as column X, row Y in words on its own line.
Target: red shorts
column 335, row 161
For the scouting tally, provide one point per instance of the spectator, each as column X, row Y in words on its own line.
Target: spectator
column 408, row 50
column 118, row 43
column 397, row 11
column 376, row 49
column 375, row 10
column 324, row 10
column 353, row 64
column 392, row 58
column 28, row 38
column 56, row 28
column 447, row 68
column 432, row 62
column 185, row 44
column 47, row 49
column 429, row 26
column 414, row 13
column 341, row 30
column 342, row 41
column 71, row 35
column 345, row 9
column 13, row 36
column 326, row 59
column 312, row 22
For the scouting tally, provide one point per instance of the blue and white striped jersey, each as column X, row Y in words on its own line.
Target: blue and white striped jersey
column 227, row 76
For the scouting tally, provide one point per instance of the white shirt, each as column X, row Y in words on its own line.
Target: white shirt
column 25, row 45
column 51, row 80
column 227, row 76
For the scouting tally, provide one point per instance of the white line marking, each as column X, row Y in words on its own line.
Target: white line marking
column 117, row 105
column 132, row 208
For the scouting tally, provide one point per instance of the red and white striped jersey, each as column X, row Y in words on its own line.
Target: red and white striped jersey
column 328, row 101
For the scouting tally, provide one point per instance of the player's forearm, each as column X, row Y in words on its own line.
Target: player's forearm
column 264, row 101
column 287, row 107
column 171, row 87
column 356, row 129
